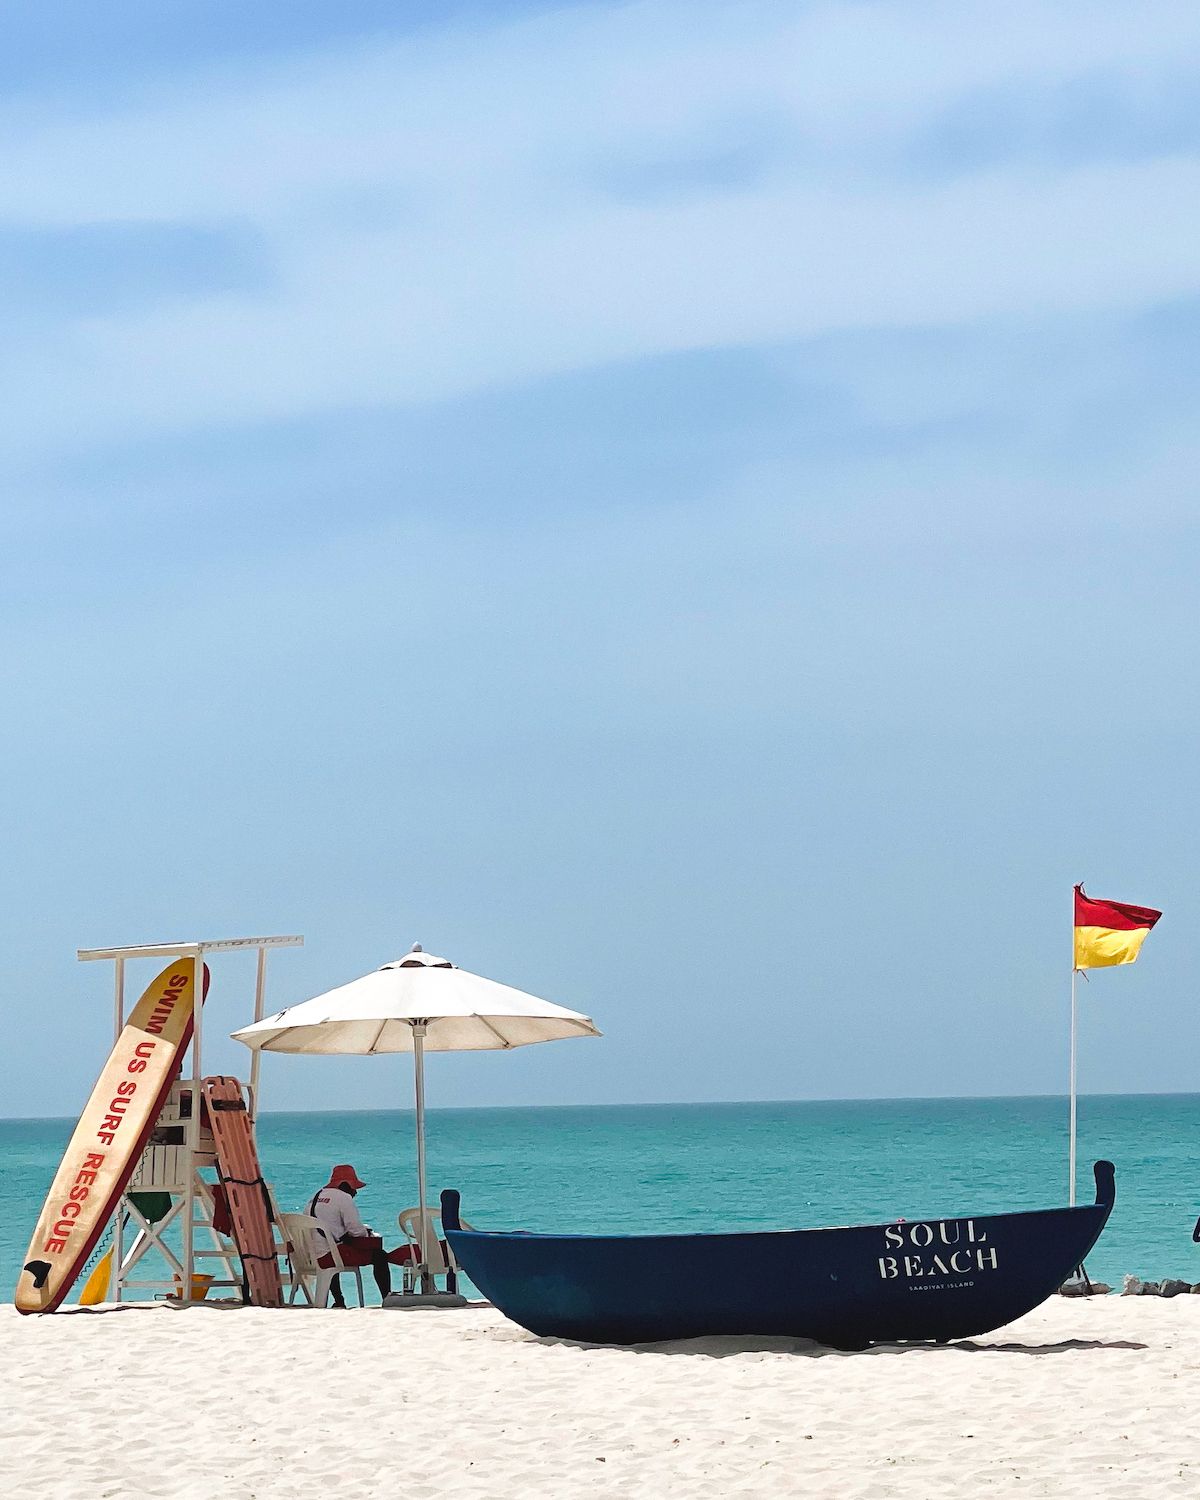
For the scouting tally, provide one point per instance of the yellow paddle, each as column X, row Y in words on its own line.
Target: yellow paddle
column 95, row 1288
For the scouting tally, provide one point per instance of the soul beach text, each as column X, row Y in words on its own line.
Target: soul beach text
column 947, row 1248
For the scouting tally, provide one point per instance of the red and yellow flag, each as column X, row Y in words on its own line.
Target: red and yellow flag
column 1109, row 932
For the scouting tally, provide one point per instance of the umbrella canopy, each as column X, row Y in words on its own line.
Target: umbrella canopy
column 461, row 1012
column 417, row 1004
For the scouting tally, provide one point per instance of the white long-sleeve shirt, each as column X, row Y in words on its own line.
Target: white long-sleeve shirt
column 338, row 1214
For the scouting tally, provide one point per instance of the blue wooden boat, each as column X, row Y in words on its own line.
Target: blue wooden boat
column 919, row 1279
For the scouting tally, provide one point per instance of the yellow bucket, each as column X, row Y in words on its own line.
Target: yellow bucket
column 200, row 1286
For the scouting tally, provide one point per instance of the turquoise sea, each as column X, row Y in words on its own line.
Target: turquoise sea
column 725, row 1166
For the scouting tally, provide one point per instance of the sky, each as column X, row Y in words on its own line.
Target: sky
column 687, row 509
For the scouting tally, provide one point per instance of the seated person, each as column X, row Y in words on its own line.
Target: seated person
column 342, row 1225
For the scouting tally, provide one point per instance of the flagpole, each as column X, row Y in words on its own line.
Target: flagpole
column 1074, row 1030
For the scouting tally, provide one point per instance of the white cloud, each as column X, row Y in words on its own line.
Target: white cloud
column 504, row 257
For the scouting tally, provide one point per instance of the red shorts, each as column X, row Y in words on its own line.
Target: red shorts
column 361, row 1250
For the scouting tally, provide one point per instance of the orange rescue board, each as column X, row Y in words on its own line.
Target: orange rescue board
column 245, row 1190
column 108, row 1141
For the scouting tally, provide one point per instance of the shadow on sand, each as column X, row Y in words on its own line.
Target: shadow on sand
column 717, row 1347
column 216, row 1304
column 727, row 1347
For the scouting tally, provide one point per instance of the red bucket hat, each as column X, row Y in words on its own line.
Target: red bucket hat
column 345, row 1176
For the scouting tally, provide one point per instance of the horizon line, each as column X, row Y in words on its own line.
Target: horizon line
column 693, row 1103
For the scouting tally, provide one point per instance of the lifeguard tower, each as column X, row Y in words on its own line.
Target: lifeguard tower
column 180, row 1148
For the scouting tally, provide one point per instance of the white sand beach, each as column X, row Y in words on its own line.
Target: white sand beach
column 1076, row 1399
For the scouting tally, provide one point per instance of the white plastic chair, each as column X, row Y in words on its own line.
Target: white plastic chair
column 307, row 1245
column 438, row 1257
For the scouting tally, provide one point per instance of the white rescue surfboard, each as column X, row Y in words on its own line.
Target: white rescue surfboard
column 111, row 1135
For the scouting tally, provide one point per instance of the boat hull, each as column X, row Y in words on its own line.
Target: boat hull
column 920, row 1280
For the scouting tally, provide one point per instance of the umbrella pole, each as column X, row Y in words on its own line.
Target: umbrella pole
column 419, row 1071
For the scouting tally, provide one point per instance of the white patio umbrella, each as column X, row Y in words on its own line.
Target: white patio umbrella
column 417, row 1004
